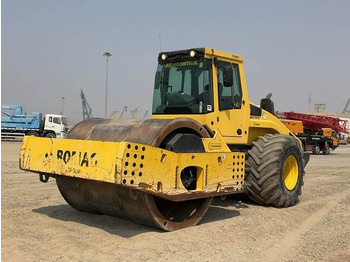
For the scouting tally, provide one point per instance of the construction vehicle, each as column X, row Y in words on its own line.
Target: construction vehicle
column 330, row 133
column 118, row 115
column 295, row 126
column 145, row 115
column 346, row 109
column 323, row 140
column 205, row 139
column 344, row 139
column 15, row 123
column 87, row 111
column 125, row 109
column 320, row 133
column 315, row 122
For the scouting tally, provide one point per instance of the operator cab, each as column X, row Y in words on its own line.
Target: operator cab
column 184, row 84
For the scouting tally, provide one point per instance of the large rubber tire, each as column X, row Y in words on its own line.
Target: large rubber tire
column 317, row 149
column 268, row 160
column 32, row 133
column 50, row 135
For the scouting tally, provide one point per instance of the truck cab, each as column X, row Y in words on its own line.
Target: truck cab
column 329, row 132
column 55, row 126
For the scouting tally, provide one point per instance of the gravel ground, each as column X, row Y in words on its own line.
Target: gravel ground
column 38, row 225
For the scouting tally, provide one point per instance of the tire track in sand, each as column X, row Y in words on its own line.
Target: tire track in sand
column 291, row 239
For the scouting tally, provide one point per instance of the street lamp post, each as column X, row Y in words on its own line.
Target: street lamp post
column 107, row 54
column 62, row 112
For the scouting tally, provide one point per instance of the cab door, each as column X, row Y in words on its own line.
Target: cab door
column 53, row 123
column 48, row 125
column 232, row 119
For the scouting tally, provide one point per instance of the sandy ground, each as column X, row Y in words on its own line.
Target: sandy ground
column 37, row 224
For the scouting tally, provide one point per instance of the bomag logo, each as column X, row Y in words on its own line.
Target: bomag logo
column 83, row 158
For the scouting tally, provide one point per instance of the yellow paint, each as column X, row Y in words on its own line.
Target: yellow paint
column 331, row 133
column 156, row 170
column 75, row 158
column 133, row 165
column 215, row 144
column 294, row 126
column 327, row 131
column 290, row 172
column 335, row 141
column 267, row 124
column 228, row 122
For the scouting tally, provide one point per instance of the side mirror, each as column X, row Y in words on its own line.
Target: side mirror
column 228, row 76
column 157, row 80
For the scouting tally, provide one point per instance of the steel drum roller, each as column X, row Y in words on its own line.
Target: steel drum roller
column 110, row 199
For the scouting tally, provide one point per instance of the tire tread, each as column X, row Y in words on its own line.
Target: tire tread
column 265, row 170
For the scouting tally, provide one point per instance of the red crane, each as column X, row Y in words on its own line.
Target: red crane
column 315, row 122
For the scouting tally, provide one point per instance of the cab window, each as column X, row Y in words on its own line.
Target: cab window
column 230, row 97
column 50, row 119
column 183, row 87
column 64, row 120
column 57, row 120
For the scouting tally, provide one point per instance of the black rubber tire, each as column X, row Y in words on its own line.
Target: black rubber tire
column 50, row 135
column 32, row 133
column 317, row 149
column 266, row 160
column 327, row 151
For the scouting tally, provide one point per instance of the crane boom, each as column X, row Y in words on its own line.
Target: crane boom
column 315, row 122
column 123, row 111
column 347, row 107
column 87, row 111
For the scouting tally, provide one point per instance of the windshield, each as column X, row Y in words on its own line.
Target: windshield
column 183, row 88
column 64, row 121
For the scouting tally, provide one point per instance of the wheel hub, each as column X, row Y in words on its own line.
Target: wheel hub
column 290, row 172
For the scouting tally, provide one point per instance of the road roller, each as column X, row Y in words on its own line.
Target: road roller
column 205, row 139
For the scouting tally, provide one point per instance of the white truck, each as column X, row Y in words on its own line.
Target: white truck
column 15, row 123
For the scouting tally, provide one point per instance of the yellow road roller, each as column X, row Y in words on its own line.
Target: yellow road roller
column 204, row 139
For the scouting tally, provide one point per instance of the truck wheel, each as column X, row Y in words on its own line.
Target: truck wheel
column 317, row 149
column 50, row 135
column 276, row 170
column 32, row 133
column 327, row 151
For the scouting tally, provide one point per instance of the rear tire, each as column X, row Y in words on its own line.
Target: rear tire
column 50, row 135
column 276, row 170
column 317, row 149
column 32, row 133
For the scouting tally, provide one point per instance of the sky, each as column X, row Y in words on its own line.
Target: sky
column 52, row 49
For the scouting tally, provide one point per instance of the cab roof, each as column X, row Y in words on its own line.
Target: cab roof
column 199, row 53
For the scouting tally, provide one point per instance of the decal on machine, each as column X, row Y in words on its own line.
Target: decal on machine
column 84, row 158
